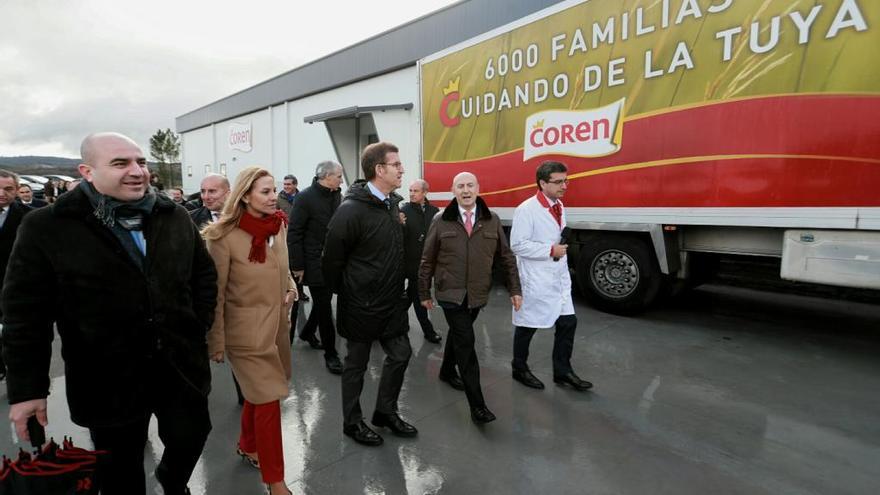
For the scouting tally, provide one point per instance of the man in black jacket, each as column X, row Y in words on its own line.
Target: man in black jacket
column 135, row 291
column 363, row 264
column 311, row 212
column 418, row 214
column 11, row 213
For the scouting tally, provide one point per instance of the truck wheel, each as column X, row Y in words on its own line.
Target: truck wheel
column 618, row 274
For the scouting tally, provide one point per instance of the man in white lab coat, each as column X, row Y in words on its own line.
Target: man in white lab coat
column 536, row 240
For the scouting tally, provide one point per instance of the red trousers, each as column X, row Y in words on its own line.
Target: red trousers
column 261, row 433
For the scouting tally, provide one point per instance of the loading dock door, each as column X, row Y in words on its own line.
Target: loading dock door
column 351, row 130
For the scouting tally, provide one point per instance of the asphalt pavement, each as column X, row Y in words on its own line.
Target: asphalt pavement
column 724, row 391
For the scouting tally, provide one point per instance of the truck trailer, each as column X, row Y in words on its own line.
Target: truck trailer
column 691, row 129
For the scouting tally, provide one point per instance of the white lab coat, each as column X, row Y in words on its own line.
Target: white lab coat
column 546, row 284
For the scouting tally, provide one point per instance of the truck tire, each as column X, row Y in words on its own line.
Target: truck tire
column 618, row 274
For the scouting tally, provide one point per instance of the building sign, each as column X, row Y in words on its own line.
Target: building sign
column 240, row 136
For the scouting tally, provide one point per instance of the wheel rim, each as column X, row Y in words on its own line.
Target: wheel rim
column 614, row 274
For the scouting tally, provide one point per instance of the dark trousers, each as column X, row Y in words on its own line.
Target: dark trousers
column 563, row 344
column 397, row 354
column 460, row 351
column 294, row 312
column 321, row 318
column 184, row 424
column 412, row 290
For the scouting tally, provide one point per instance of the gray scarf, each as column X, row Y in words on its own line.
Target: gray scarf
column 111, row 212
column 121, row 217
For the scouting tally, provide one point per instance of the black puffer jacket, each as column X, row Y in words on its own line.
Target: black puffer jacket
column 311, row 212
column 363, row 264
column 115, row 320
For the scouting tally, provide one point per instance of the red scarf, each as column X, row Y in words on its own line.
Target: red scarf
column 261, row 229
column 555, row 209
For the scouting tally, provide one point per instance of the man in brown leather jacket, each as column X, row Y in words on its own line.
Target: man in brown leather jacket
column 458, row 255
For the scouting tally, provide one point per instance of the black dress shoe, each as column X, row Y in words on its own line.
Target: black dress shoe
column 482, row 415
column 334, row 365
column 454, row 381
column 393, row 422
column 433, row 337
column 528, row 379
column 362, row 434
column 313, row 341
column 574, row 381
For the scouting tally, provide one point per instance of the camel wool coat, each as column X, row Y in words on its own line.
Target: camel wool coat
column 251, row 323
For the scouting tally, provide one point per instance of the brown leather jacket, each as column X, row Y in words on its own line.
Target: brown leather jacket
column 462, row 265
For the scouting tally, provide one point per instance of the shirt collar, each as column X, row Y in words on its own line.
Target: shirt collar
column 461, row 212
column 376, row 192
column 545, row 201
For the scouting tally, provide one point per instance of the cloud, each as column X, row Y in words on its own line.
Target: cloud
column 71, row 68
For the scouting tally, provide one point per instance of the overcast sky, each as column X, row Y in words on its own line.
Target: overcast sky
column 69, row 68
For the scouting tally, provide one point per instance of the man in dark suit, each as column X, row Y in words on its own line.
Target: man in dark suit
column 214, row 190
column 11, row 213
column 418, row 214
column 26, row 197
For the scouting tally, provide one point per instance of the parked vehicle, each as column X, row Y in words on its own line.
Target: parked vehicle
column 35, row 178
column 689, row 135
column 65, row 178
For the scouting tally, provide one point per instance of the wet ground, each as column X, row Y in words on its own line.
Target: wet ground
column 722, row 391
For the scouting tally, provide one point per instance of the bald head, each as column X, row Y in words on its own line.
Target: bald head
column 90, row 146
column 115, row 166
column 214, row 190
column 465, row 188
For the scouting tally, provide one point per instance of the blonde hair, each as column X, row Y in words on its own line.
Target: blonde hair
column 235, row 205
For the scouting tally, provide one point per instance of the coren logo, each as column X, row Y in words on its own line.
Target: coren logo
column 596, row 132
column 240, row 137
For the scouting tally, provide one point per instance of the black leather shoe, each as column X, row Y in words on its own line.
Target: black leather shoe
column 528, row 379
column 393, row 422
column 433, row 337
column 334, row 365
column 313, row 341
column 454, row 381
column 574, row 381
column 482, row 415
column 362, row 434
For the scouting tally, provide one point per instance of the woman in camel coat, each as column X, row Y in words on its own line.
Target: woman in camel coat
column 255, row 291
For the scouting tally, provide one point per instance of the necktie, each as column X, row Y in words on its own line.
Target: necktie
column 556, row 210
column 215, row 215
column 468, row 222
column 387, row 202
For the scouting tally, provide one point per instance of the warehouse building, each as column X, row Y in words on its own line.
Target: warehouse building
column 334, row 106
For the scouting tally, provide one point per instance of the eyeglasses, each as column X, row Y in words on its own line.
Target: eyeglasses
column 558, row 182
column 395, row 164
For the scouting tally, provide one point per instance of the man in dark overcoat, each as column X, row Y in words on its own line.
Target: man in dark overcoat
column 132, row 290
column 310, row 213
column 418, row 214
column 11, row 213
column 363, row 264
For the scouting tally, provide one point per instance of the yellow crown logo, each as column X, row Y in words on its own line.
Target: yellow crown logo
column 539, row 124
column 453, row 86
